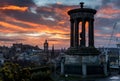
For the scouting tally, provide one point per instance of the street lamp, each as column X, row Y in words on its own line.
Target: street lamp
column 66, row 77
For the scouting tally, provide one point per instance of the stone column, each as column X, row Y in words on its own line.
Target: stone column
column 84, row 66
column 76, row 33
column 72, row 33
column 91, row 33
column 83, row 41
column 62, row 66
column 105, row 69
column 84, row 69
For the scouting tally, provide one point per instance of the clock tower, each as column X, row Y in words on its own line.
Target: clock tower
column 45, row 46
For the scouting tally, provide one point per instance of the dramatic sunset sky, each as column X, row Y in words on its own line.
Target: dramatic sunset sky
column 33, row 21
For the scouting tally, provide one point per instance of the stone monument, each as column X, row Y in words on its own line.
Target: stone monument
column 82, row 59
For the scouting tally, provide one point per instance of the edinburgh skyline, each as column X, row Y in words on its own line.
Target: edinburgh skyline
column 34, row 21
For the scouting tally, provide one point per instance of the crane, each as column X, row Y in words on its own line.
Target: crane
column 106, row 50
column 112, row 33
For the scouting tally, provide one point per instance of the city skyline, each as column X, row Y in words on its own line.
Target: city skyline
column 34, row 21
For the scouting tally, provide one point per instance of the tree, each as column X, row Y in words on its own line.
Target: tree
column 13, row 72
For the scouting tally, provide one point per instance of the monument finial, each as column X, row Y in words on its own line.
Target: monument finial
column 81, row 4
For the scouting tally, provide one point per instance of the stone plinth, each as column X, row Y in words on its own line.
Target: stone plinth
column 83, row 51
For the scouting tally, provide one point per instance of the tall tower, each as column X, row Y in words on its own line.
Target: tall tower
column 46, row 46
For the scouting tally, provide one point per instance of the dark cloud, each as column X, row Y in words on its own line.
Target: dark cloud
column 104, row 2
column 56, row 11
column 45, row 15
column 104, row 30
column 23, row 16
column 10, row 39
column 104, row 22
column 117, row 3
column 33, row 18
column 16, row 2
column 49, row 11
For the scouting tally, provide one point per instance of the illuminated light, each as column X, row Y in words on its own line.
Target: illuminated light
column 12, row 7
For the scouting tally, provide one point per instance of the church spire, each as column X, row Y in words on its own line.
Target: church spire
column 53, row 52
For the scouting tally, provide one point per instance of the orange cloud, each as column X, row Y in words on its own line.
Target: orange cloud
column 38, row 28
column 61, row 22
column 34, row 27
column 63, row 11
column 117, row 35
column 12, row 7
column 10, row 26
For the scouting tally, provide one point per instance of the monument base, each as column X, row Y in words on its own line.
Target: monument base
column 82, row 51
column 84, row 65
